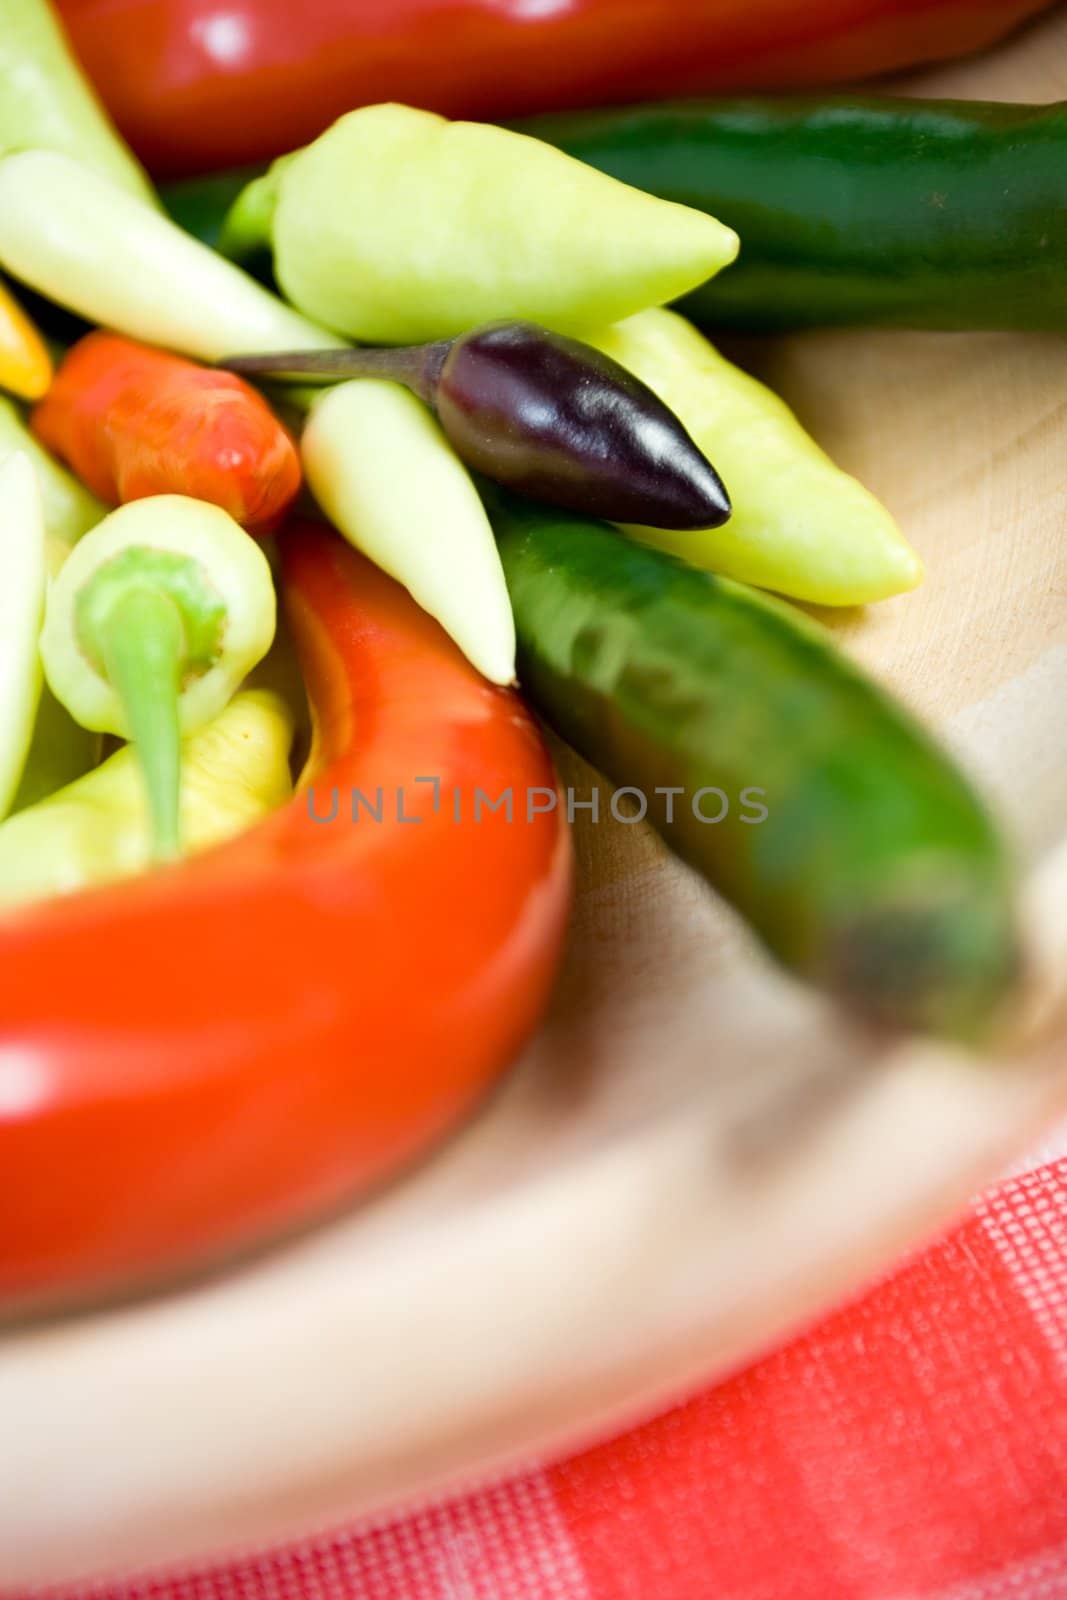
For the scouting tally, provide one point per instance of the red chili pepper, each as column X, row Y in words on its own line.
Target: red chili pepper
column 212, row 1054
column 132, row 421
column 196, row 84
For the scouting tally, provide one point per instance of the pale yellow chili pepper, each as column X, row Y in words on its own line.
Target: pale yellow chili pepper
column 800, row 525
column 99, row 828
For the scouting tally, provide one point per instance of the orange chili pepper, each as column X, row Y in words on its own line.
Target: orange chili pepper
column 133, row 421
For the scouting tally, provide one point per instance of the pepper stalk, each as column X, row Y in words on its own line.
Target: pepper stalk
column 89, row 246
column 150, row 627
column 545, row 415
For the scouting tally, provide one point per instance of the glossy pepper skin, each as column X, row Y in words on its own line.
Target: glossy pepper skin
column 397, row 226
column 874, row 871
column 560, row 421
column 60, row 750
column 242, row 1043
column 196, row 84
column 69, row 509
column 23, row 583
column 133, row 421
column 880, row 211
column 801, row 526
column 81, row 241
column 25, row 365
column 380, row 467
column 548, row 416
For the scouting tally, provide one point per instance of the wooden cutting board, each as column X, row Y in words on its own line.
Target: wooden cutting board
column 695, row 1156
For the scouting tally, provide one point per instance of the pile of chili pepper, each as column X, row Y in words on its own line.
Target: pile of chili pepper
column 533, row 471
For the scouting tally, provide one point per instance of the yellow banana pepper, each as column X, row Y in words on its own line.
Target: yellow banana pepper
column 60, row 750
column 47, row 102
column 398, row 226
column 23, row 578
column 25, row 365
column 800, row 525
column 378, row 463
column 89, row 245
column 99, row 828
column 69, row 509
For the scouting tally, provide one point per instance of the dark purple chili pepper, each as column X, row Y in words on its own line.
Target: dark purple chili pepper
column 545, row 415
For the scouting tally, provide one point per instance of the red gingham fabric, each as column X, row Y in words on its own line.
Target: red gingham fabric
column 912, row 1446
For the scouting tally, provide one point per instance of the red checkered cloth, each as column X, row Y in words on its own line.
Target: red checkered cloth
column 912, row 1446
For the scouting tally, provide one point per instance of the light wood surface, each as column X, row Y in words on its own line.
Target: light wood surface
column 695, row 1156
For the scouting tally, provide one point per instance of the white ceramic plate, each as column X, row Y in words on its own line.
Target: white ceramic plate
column 695, row 1156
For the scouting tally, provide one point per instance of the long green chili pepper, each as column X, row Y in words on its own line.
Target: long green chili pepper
column 862, row 210
column 48, row 104
column 853, row 846
column 545, row 415
column 150, row 627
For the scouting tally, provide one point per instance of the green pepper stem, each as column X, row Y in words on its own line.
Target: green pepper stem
column 142, row 645
column 246, row 227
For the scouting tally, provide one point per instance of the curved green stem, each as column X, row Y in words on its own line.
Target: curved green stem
column 148, row 621
column 142, row 646
column 246, row 227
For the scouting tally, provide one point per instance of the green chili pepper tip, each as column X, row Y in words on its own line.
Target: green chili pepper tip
column 146, row 620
